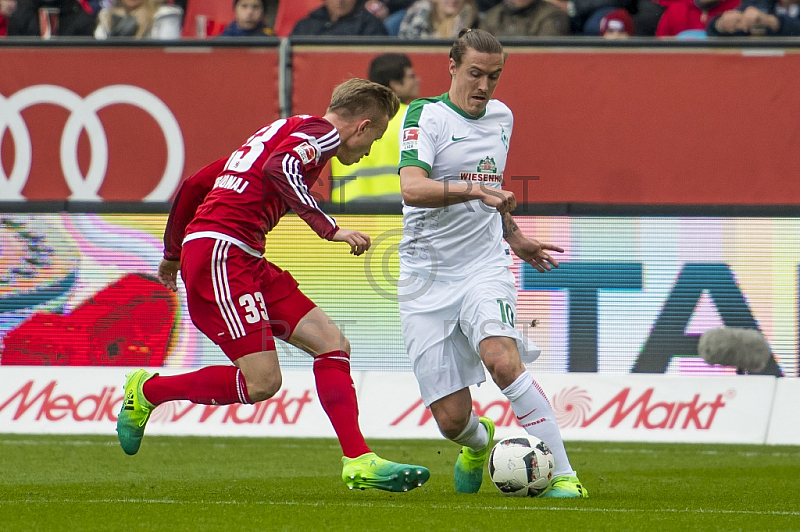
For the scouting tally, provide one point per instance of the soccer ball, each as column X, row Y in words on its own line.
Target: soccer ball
column 521, row 466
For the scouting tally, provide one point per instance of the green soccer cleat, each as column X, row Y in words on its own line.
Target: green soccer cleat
column 469, row 466
column 135, row 411
column 371, row 471
column 565, row 487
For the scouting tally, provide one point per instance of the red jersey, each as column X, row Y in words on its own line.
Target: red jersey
column 241, row 198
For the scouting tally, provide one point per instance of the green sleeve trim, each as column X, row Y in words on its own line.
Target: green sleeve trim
column 414, row 162
column 415, row 111
column 411, row 157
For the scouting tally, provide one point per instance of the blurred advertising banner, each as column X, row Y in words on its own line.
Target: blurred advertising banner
column 632, row 294
column 659, row 408
column 621, row 126
column 614, row 126
column 125, row 124
column 783, row 426
column 598, row 407
column 87, row 401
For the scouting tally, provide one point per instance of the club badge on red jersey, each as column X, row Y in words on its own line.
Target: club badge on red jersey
column 307, row 152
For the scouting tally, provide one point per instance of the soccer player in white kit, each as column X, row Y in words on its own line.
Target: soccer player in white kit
column 457, row 295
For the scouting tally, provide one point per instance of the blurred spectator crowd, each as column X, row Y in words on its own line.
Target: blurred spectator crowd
column 403, row 19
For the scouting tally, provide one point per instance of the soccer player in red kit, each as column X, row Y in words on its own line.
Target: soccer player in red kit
column 216, row 235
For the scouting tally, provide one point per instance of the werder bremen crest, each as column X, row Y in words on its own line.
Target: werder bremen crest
column 503, row 136
column 487, row 166
column 486, row 172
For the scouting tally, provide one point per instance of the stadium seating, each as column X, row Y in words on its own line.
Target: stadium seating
column 218, row 15
column 290, row 12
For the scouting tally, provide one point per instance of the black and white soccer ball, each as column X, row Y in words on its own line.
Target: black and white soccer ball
column 521, row 466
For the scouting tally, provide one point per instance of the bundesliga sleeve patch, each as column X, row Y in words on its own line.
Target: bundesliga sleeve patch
column 410, row 138
column 307, row 152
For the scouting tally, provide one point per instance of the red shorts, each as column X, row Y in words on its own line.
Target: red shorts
column 240, row 302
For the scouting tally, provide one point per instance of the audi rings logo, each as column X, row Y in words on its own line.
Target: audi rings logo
column 83, row 116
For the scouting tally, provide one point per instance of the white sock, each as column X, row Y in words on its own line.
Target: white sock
column 475, row 436
column 534, row 413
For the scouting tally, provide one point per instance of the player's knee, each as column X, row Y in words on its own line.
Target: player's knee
column 263, row 387
column 505, row 371
column 344, row 344
column 496, row 349
column 328, row 343
column 502, row 360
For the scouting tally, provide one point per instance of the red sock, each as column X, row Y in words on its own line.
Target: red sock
column 338, row 397
column 214, row 385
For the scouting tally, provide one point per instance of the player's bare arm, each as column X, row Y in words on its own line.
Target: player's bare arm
column 531, row 251
column 359, row 242
column 168, row 273
column 420, row 191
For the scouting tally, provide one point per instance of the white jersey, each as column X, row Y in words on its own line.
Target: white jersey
column 453, row 242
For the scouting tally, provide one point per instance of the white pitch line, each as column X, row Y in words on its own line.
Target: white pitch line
column 606, row 450
column 162, row 443
column 60, row 442
column 710, row 452
column 417, row 504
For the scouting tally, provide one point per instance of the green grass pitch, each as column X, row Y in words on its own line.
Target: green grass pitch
column 77, row 483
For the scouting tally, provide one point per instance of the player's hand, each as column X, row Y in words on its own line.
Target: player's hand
column 502, row 200
column 168, row 273
column 359, row 242
column 536, row 254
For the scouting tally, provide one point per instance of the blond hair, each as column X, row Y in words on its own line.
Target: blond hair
column 358, row 97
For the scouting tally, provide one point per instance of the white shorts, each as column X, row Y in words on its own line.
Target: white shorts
column 444, row 322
